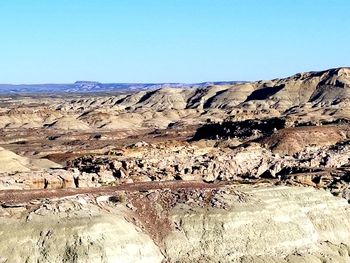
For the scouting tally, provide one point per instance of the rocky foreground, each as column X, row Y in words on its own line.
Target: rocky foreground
column 247, row 172
column 228, row 224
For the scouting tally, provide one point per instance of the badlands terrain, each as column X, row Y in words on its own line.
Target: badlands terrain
column 222, row 172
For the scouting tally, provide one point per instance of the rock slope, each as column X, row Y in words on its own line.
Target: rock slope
column 11, row 162
column 273, row 225
column 77, row 230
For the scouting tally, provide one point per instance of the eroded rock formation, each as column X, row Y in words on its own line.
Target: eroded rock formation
column 233, row 172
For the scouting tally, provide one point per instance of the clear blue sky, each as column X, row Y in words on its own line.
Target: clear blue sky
column 60, row 41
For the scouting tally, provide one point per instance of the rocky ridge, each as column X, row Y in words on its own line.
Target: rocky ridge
column 310, row 96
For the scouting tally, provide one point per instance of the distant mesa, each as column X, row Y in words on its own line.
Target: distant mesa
column 84, row 86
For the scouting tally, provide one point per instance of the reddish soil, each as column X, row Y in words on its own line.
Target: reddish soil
column 60, row 146
column 293, row 140
column 12, row 197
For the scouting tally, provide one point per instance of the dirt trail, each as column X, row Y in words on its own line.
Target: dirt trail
column 13, row 197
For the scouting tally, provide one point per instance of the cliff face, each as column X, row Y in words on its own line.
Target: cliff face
column 256, row 224
column 272, row 225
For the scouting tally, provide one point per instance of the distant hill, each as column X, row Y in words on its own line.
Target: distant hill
column 309, row 97
column 92, row 86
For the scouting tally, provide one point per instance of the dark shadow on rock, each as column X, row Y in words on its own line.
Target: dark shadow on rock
column 264, row 93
